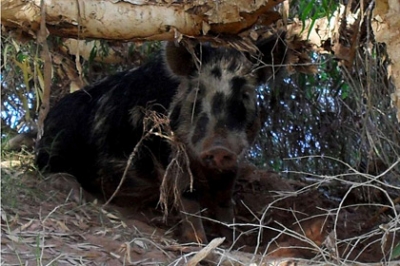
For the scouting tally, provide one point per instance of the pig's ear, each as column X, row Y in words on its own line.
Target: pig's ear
column 178, row 59
column 273, row 56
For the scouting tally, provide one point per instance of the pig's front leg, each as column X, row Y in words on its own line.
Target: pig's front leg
column 192, row 225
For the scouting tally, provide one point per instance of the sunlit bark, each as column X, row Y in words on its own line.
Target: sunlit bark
column 386, row 25
column 133, row 20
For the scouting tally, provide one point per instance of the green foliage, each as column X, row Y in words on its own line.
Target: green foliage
column 23, row 82
column 136, row 53
column 345, row 91
column 21, row 79
column 93, row 54
column 314, row 9
column 11, row 182
column 396, row 252
column 333, row 113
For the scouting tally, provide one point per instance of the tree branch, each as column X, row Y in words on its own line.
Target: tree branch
column 144, row 20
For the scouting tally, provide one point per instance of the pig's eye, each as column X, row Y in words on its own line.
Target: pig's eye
column 246, row 95
column 199, row 91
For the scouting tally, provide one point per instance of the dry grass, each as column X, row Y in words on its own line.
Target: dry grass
column 51, row 221
column 43, row 225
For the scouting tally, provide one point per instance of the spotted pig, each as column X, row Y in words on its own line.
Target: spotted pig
column 206, row 94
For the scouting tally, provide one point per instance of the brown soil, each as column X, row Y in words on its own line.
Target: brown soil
column 51, row 221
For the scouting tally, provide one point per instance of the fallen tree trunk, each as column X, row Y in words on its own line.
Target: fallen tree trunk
column 136, row 20
column 132, row 20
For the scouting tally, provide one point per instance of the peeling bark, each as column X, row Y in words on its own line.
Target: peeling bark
column 386, row 26
column 132, row 20
column 136, row 20
column 46, row 55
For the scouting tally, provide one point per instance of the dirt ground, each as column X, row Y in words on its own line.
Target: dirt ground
column 51, row 221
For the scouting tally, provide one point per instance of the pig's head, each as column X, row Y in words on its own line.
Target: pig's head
column 215, row 111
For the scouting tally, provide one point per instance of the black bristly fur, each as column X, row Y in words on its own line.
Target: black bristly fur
column 212, row 111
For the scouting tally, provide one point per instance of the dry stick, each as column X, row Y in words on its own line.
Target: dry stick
column 340, row 207
column 180, row 151
column 202, row 254
column 373, row 220
column 42, row 38
column 78, row 64
column 354, row 185
column 132, row 155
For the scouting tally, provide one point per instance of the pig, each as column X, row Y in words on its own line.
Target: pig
column 206, row 97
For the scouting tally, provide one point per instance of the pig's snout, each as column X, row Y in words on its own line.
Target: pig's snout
column 219, row 158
